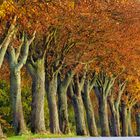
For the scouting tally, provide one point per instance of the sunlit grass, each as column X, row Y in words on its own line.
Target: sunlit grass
column 31, row 136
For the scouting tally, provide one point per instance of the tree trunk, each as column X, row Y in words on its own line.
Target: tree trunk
column 38, row 92
column 17, row 60
column 75, row 90
column 90, row 114
column 130, row 130
column 62, row 102
column 138, row 123
column 103, row 89
column 124, row 120
column 118, row 131
column 79, row 115
column 63, row 110
column 103, row 112
column 51, row 88
column 115, row 117
column 15, row 91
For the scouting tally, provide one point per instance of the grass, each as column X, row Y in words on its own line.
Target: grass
column 31, row 136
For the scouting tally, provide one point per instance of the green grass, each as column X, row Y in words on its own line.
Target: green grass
column 31, row 136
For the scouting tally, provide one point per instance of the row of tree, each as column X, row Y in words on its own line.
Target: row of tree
column 71, row 50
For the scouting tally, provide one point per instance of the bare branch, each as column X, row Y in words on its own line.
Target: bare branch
column 19, row 48
column 12, row 54
column 120, row 92
column 93, row 81
column 6, row 42
column 25, row 52
column 31, row 40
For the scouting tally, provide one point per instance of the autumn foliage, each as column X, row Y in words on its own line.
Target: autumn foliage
column 95, row 40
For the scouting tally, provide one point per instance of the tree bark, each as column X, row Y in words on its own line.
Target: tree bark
column 51, row 88
column 124, row 120
column 63, row 111
column 114, row 103
column 79, row 115
column 4, row 45
column 62, row 103
column 37, row 72
column 78, row 105
column 103, row 112
column 138, row 123
column 115, row 116
column 16, row 63
column 130, row 130
column 88, row 86
column 103, row 91
column 3, row 49
column 90, row 115
column 15, row 91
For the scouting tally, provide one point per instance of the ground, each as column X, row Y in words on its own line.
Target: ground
column 32, row 137
column 67, row 137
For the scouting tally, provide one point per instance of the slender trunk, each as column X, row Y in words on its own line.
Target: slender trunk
column 5, row 43
column 115, row 117
column 118, row 130
column 15, row 90
column 138, row 123
column 38, row 92
column 2, row 54
column 124, row 120
column 103, row 112
column 51, row 88
column 90, row 114
column 130, row 130
column 79, row 115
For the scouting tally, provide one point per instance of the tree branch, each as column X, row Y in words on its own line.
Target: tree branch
column 19, row 48
column 120, row 92
column 25, row 52
column 93, row 81
column 11, row 54
column 4, row 45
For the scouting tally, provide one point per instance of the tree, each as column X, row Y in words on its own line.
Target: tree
column 129, row 100
column 102, row 91
column 3, row 47
column 37, row 72
column 36, row 68
column 17, row 61
column 62, row 101
column 88, row 86
column 18, row 56
column 114, row 103
column 5, row 43
column 137, row 117
column 75, row 90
